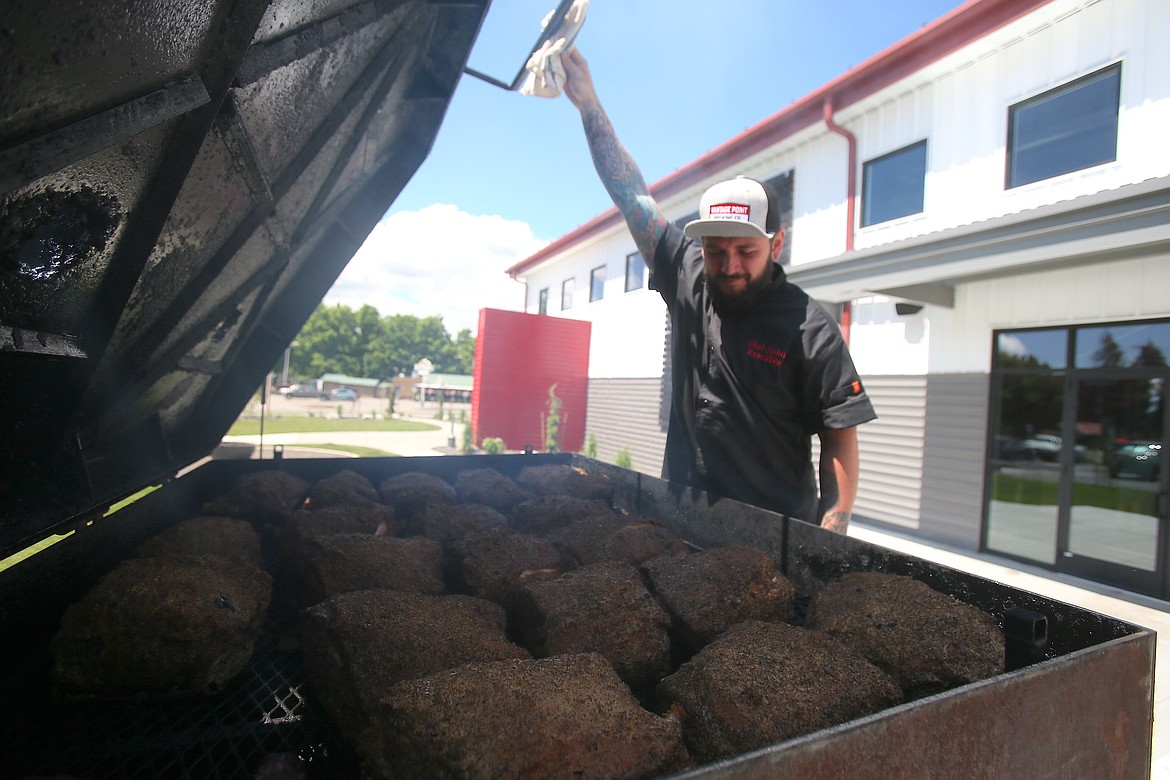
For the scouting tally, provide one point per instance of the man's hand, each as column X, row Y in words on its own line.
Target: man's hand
column 578, row 81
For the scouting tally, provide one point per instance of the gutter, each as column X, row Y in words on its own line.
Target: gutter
column 850, row 199
column 851, row 185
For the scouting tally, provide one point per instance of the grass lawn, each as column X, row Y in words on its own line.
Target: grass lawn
column 1027, row 491
column 361, row 452
column 324, row 425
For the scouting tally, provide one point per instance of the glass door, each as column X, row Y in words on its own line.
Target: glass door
column 1113, row 528
column 1076, row 480
column 1024, row 461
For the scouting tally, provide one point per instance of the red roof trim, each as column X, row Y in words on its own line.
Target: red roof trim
column 944, row 36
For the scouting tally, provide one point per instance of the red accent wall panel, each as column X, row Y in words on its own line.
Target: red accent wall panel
column 518, row 357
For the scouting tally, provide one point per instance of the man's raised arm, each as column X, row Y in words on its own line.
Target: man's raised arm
column 617, row 169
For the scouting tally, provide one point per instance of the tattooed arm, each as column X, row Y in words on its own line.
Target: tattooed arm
column 616, row 167
column 839, row 468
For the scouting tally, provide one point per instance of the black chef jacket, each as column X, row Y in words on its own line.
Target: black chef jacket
column 749, row 390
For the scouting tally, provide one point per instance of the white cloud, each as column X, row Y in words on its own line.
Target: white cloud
column 1012, row 345
column 437, row 261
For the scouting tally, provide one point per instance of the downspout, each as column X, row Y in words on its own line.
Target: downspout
column 850, row 198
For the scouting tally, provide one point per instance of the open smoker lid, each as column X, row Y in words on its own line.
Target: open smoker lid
column 180, row 184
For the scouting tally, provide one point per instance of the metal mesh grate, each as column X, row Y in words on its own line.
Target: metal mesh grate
column 264, row 718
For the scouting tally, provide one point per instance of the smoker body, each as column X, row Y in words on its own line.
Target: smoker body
column 1076, row 698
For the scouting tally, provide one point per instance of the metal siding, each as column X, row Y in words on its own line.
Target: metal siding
column 616, row 352
column 518, row 357
column 921, row 460
column 624, row 414
column 960, row 105
column 891, row 451
column 890, row 447
column 953, row 458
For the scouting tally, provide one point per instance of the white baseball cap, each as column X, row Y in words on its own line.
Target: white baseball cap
column 737, row 207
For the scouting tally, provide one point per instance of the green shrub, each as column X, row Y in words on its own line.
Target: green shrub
column 623, row 459
column 493, row 445
column 552, row 423
column 466, row 448
column 590, row 446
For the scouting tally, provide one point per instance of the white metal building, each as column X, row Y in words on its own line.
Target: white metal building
column 986, row 204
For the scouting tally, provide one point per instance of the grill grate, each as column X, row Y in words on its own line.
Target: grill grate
column 263, row 718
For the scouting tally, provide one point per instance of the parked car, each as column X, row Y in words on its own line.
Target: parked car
column 343, row 394
column 303, row 391
column 1137, row 460
column 1045, row 446
column 1042, row 446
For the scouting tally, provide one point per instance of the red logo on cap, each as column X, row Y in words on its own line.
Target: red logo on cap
column 729, row 211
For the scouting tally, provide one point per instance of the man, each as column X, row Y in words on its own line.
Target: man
column 758, row 367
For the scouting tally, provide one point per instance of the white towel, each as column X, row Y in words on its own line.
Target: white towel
column 546, row 74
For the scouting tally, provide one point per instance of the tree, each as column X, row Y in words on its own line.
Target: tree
column 337, row 339
column 409, row 339
column 1109, row 354
column 464, row 353
column 1030, row 400
column 328, row 343
column 1150, row 355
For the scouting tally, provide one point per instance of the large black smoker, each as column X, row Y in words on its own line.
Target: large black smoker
column 180, row 184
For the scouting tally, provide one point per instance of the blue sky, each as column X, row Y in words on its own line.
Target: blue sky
column 508, row 172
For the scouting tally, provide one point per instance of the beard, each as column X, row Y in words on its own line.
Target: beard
column 741, row 301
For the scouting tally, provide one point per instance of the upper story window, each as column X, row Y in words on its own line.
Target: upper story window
column 542, row 307
column 635, row 272
column 893, row 185
column 567, row 293
column 1065, row 129
column 597, row 283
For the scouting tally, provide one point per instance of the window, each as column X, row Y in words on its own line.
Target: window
column 1032, row 349
column 635, row 272
column 567, row 294
column 1078, row 417
column 893, row 184
column 1065, row 129
column 1142, row 345
column 542, row 307
column 597, row 283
